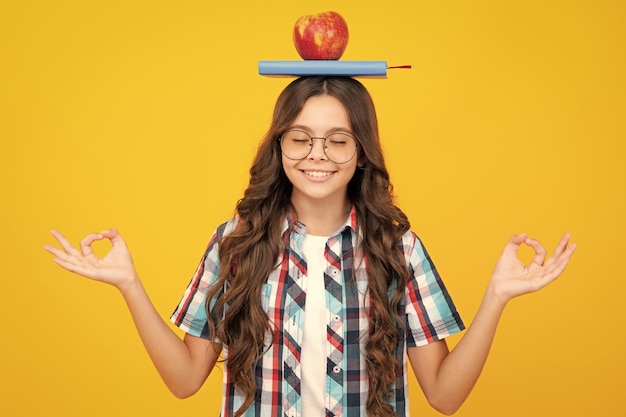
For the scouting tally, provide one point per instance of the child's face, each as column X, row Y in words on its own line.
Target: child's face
column 316, row 178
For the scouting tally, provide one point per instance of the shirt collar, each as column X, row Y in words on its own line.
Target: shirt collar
column 291, row 223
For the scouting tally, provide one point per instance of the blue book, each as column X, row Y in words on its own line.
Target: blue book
column 319, row 67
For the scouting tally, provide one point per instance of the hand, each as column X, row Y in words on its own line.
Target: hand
column 512, row 278
column 115, row 268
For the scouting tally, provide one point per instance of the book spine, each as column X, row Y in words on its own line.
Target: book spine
column 313, row 67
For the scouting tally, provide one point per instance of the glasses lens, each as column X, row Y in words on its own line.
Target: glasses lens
column 340, row 148
column 295, row 144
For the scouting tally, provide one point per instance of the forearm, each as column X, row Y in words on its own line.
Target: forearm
column 179, row 369
column 183, row 364
column 448, row 377
column 461, row 368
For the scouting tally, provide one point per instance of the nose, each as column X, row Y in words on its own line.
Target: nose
column 317, row 151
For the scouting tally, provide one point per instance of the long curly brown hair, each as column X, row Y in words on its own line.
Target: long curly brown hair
column 251, row 251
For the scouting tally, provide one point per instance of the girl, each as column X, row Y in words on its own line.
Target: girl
column 317, row 292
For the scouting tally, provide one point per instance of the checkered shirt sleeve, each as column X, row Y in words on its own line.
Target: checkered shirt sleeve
column 430, row 312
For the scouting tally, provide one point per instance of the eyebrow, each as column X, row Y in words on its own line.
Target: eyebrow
column 328, row 132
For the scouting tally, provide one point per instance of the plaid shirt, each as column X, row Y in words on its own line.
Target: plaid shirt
column 429, row 315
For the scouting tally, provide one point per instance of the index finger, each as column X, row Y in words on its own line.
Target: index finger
column 540, row 252
column 85, row 244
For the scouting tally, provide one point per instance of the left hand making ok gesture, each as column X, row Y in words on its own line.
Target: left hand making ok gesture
column 511, row 277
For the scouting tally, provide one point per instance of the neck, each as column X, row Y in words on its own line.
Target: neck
column 322, row 218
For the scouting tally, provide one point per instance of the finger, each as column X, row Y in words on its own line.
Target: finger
column 563, row 250
column 540, row 252
column 64, row 259
column 67, row 257
column 110, row 233
column 85, row 244
column 562, row 244
column 556, row 269
column 514, row 242
column 74, row 267
column 56, row 251
column 65, row 243
column 569, row 251
column 114, row 236
column 557, row 265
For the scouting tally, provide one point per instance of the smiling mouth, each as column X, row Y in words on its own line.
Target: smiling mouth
column 317, row 174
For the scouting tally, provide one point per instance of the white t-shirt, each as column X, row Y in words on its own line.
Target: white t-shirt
column 313, row 354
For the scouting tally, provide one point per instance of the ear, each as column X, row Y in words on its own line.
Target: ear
column 361, row 163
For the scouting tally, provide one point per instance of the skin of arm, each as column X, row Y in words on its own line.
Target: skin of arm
column 447, row 378
column 184, row 364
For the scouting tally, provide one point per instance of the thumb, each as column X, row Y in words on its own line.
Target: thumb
column 114, row 236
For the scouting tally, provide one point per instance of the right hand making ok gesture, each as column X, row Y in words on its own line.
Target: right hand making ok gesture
column 115, row 268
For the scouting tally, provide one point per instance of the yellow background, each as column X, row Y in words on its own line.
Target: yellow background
column 144, row 115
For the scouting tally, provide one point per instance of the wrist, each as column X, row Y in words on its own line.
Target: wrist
column 495, row 297
column 130, row 285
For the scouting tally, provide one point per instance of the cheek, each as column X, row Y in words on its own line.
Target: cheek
column 288, row 167
column 353, row 170
column 284, row 163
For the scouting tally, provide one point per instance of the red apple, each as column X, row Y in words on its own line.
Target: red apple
column 321, row 36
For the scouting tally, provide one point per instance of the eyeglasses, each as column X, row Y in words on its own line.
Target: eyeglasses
column 339, row 147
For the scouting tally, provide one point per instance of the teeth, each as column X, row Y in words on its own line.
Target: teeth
column 317, row 173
